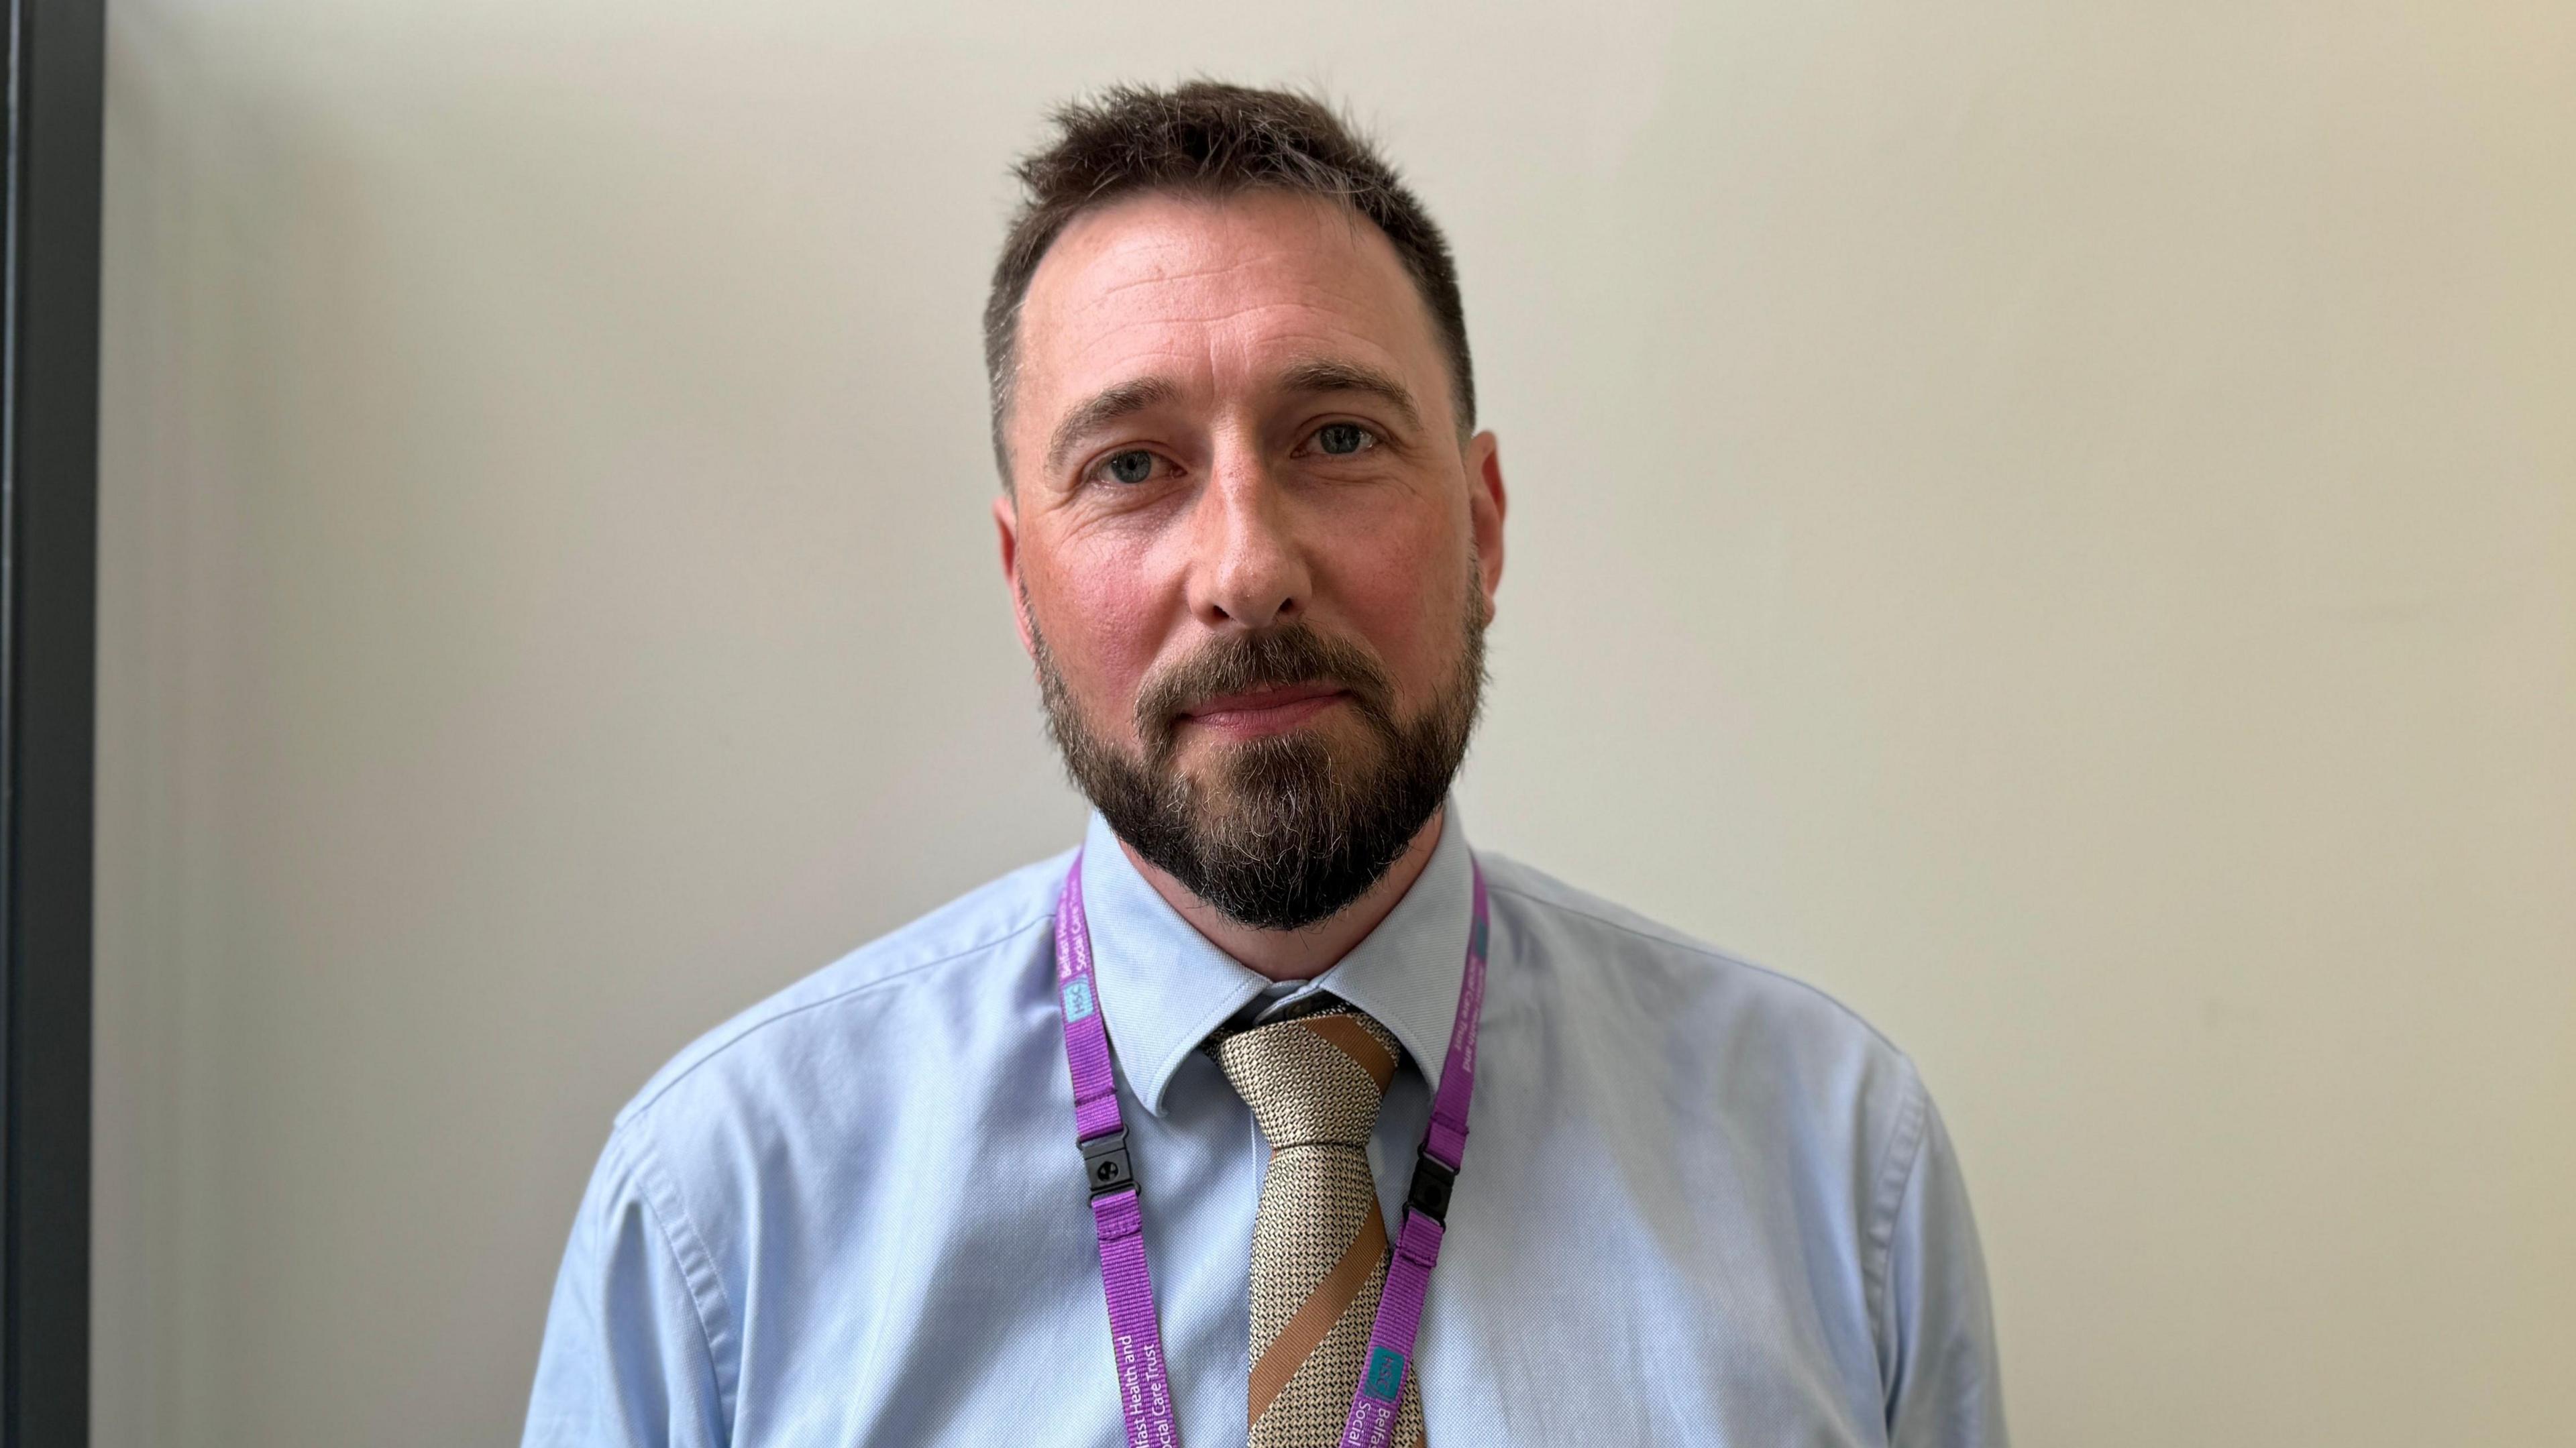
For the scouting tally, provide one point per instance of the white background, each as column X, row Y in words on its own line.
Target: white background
column 2054, row 521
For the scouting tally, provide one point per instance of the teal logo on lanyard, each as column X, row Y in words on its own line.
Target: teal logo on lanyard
column 1077, row 1002
column 1385, row 1374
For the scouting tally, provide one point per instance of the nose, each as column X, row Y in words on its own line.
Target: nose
column 1249, row 570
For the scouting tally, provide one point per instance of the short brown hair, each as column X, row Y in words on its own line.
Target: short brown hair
column 1208, row 138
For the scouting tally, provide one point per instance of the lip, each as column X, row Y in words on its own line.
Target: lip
column 1264, row 711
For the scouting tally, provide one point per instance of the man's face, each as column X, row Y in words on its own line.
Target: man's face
column 1252, row 555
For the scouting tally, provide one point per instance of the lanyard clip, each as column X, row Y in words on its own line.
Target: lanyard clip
column 1105, row 1164
column 1432, row 1182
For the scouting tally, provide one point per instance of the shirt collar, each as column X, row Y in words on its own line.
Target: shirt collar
column 1164, row 987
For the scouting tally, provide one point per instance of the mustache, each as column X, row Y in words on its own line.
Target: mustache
column 1270, row 658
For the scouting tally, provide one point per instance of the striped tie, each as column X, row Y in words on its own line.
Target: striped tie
column 1319, row 1247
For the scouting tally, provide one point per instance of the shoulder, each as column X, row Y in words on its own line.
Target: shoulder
column 1750, row 1034
column 946, row 955
column 1618, row 938
column 786, row 1119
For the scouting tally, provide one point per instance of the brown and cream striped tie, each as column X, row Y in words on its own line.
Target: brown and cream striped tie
column 1319, row 1245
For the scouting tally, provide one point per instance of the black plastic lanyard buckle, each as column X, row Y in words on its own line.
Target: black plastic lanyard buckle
column 1432, row 1183
column 1105, row 1164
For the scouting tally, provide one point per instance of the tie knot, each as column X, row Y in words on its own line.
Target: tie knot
column 1314, row 1079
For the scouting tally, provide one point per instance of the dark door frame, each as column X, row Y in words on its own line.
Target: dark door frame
column 48, row 641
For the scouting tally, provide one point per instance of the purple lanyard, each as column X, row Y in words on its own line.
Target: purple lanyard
column 1144, row 1389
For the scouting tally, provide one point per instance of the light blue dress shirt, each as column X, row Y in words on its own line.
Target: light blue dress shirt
column 1702, row 1203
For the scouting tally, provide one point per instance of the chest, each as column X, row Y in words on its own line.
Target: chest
column 1591, row 1290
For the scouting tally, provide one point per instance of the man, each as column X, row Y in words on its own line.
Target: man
column 1160, row 1140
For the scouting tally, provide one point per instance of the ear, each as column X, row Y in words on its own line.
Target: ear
column 1006, row 523
column 1486, row 502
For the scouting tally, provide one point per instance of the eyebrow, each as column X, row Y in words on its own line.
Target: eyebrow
column 1123, row 400
column 1327, row 375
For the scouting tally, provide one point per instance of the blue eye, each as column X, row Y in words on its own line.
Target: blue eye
column 1134, row 465
column 1341, row 439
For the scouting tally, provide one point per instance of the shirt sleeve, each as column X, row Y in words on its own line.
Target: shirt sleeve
column 628, row 1359
column 1944, row 1386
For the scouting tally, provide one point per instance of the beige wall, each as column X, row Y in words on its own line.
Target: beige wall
column 2056, row 521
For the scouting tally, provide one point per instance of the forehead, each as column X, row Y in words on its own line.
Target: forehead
column 1216, row 294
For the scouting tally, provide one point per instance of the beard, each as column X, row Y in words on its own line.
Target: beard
column 1283, row 831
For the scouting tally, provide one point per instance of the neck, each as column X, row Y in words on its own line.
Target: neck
column 1305, row 953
